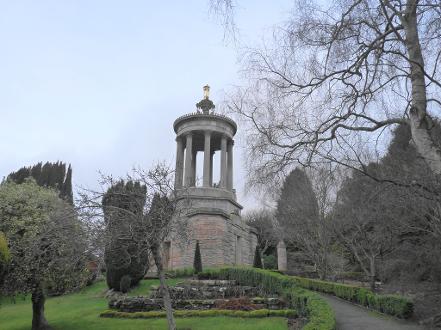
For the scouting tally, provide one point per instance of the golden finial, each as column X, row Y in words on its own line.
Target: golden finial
column 206, row 92
column 205, row 104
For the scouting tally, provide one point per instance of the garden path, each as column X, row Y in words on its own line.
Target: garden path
column 354, row 317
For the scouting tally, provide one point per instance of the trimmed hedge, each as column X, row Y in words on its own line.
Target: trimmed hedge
column 184, row 272
column 309, row 304
column 203, row 313
column 389, row 304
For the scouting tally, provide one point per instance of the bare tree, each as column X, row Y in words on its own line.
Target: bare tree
column 266, row 226
column 336, row 75
column 162, row 210
column 365, row 223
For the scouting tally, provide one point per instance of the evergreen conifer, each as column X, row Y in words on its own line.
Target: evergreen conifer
column 257, row 263
column 197, row 263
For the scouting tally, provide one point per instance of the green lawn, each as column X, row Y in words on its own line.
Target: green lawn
column 80, row 311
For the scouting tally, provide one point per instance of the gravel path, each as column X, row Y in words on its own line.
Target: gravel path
column 353, row 317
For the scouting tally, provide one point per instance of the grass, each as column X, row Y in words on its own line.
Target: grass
column 80, row 311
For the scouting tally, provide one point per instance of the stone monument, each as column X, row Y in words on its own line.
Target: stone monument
column 214, row 215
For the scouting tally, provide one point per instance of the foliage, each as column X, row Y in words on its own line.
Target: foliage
column 182, row 272
column 388, row 220
column 126, row 251
column 320, row 315
column 303, row 227
column 257, row 262
column 389, row 304
column 197, row 262
column 51, row 175
column 46, row 242
column 270, row 261
column 124, row 285
column 5, row 255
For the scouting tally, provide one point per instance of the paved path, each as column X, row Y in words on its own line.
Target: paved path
column 353, row 317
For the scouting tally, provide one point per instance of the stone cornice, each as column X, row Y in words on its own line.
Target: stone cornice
column 197, row 115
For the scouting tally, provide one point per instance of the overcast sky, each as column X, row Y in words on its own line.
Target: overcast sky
column 99, row 83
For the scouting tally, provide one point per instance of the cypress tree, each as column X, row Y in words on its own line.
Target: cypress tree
column 36, row 171
column 52, row 175
column 126, row 251
column 257, row 263
column 66, row 190
column 197, row 263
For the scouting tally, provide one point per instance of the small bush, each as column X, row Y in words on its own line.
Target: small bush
column 257, row 263
column 269, row 261
column 124, row 284
column 184, row 272
column 197, row 263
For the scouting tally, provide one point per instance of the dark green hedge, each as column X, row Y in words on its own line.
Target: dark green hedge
column 184, row 272
column 320, row 315
column 389, row 304
column 203, row 313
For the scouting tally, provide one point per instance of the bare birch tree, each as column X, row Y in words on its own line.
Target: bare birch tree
column 337, row 74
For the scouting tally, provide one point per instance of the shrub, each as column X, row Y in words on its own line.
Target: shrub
column 184, row 272
column 197, row 263
column 389, row 304
column 203, row 313
column 309, row 304
column 5, row 255
column 257, row 263
column 269, row 261
column 124, row 284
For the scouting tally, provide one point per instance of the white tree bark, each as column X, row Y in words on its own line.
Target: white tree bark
column 420, row 120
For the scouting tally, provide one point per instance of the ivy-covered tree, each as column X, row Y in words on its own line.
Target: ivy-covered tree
column 46, row 244
column 197, row 262
column 126, row 251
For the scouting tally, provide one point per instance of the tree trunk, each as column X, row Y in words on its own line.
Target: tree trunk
column 164, row 288
column 420, row 121
column 372, row 272
column 38, row 320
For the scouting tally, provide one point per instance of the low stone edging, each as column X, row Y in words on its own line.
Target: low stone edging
column 288, row 313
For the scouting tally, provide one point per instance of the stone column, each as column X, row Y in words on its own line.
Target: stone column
column 230, row 166
column 188, row 161
column 223, row 164
column 207, row 159
column 193, row 168
column 281, row 256
column 211, row 168
column 179, row 163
